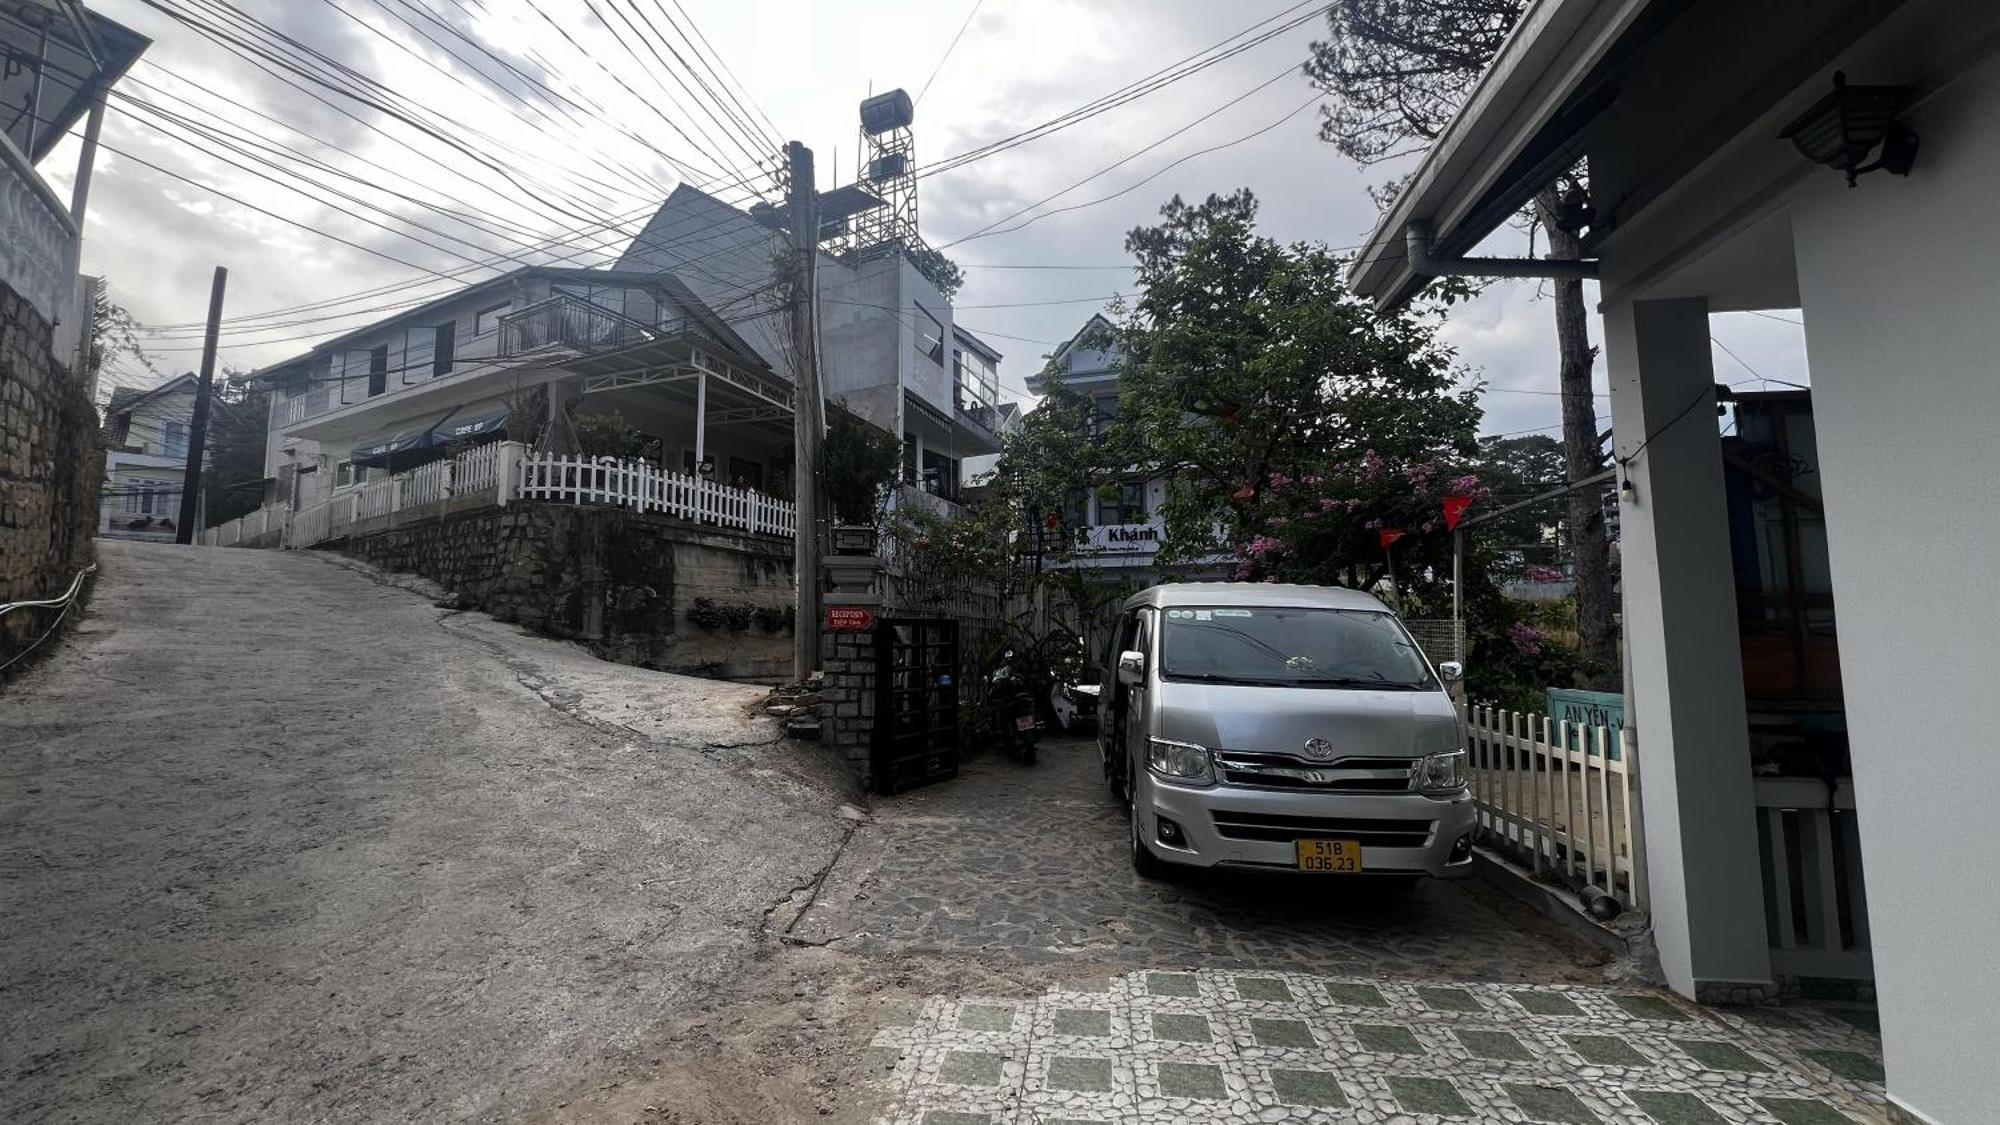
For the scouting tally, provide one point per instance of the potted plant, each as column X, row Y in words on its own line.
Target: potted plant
column 861, row 461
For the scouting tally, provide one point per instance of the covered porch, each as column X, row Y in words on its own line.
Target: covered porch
column 1730, row 171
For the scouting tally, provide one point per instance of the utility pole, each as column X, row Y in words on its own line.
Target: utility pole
column 808, row 409
column 198, row 431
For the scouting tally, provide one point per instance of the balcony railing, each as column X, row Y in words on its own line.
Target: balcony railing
column 38, row 242
column 569, row 321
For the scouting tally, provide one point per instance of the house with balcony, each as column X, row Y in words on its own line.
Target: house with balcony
column 889, row 348
column 1116, row 529
column 527, row 354
column 145, row 459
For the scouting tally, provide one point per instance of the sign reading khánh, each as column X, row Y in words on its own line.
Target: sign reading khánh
column 1592, row 709
column 849, row 618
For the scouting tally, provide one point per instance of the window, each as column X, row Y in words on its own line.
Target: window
column 378, row 370
column 744, row 473
column 488, row 319
column 418, row 342
column 351, row 367
column 1292, row 646
column 443, row 348
column 977, row 383
column 930, row 337
column 1127, row 506
column 176, row 441
column 343, row 474
column 940, row 475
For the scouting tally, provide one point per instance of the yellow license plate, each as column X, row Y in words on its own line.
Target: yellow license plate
column 1330, row 857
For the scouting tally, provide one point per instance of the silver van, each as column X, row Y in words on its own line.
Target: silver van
column 1296, row 728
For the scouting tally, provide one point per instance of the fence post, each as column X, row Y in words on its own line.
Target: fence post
column 1635, row 824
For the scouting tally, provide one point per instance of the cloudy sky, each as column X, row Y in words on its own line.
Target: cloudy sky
column 489, row 176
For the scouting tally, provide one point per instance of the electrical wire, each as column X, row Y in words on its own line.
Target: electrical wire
column 949, row 48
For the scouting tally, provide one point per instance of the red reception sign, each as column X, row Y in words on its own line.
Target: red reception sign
column 1454, row 509
column 1390, row 535
column 849, row 618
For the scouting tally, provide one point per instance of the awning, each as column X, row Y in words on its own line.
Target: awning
column 378, row 450
column 468, row 427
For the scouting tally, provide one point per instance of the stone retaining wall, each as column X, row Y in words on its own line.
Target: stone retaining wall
column 624, row 583
column 51, row 466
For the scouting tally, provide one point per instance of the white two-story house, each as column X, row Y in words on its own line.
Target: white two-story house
column 1117, row 528
column 685, row 339
column 145, row 459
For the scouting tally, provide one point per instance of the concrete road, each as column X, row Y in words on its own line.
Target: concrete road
column 281, row 843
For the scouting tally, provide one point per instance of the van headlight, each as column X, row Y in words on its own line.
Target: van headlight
column 1442, row 772
column 1183, row 762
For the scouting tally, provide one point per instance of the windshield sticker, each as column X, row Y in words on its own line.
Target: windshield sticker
column 1235, row 613
column 1180, row 614
column 1201, row 615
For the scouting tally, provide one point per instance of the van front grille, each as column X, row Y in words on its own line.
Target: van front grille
column 1378, row 832
column 1283, row 771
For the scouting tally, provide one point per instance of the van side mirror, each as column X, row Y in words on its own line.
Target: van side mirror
column 1451, row 671
column 1132, row 668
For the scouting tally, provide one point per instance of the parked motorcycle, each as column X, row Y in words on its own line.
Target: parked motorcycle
column 1012, row 711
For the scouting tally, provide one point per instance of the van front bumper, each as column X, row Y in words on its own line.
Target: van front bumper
column 1399, row 833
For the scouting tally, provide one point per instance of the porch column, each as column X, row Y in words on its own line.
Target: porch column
column 700, row 417
column 562, row 436
column 1683, row 656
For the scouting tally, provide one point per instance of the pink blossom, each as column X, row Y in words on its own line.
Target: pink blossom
column 1271, row 578
column 1420, row 474
column 1279, row 521
column 1328, row 504
column 1243, row 570
column 1315, row 480
column 1262, row 545
column 1526, row 638
column 1354, row 505
column 1430, row 526
column 1280, row 480
column 1463, row 486
column 1372, row 524
column 1371, row 463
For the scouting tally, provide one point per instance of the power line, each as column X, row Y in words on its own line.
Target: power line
column 949, row 47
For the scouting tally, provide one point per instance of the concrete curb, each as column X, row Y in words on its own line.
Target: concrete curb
column 1624, row 937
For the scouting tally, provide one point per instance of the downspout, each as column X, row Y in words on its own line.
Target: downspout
column 1417, row 238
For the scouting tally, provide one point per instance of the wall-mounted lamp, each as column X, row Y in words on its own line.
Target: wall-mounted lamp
column 1841, row 129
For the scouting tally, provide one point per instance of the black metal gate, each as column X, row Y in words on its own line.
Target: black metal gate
column 916, row 703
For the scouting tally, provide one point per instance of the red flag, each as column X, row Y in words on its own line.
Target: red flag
column 1051, row 522
column 1390, row 535
column 1454, row 509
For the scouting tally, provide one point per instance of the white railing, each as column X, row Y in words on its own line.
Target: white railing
column 316, row 401
column 260, row 522
column 507, row 471
column 1814, row 907
column 642, row 487
column 1561, row 798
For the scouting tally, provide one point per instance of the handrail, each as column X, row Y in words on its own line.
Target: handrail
column 50, row 603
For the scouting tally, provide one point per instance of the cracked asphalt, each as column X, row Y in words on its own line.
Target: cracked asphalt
column 281, row 842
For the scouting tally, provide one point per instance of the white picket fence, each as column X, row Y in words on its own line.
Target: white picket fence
column 509, row 472
column 259, row 522
column 642, row 487
column 1560, row 798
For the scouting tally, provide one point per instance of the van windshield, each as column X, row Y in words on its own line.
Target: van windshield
column 1291, row 646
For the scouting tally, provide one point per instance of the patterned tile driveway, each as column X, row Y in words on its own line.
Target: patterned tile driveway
column 1154, row 1048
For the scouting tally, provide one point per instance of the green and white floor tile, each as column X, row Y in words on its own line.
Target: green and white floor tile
column 1160, row 1048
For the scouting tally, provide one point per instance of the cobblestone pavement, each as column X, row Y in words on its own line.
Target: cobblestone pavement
column 1271, row 999
column 1153, row 1048
column 1032, row 863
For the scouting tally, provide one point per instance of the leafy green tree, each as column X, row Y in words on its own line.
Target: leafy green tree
column 859, row 462
column 233, row 465
column 610, row 435
column 1294, row 423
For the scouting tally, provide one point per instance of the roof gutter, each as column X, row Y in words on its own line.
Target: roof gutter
column 1417, row 241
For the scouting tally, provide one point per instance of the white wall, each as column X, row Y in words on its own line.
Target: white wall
column 1901, row 297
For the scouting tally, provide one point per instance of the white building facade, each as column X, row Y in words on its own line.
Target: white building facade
column 145, row 460
column 1705, row 126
